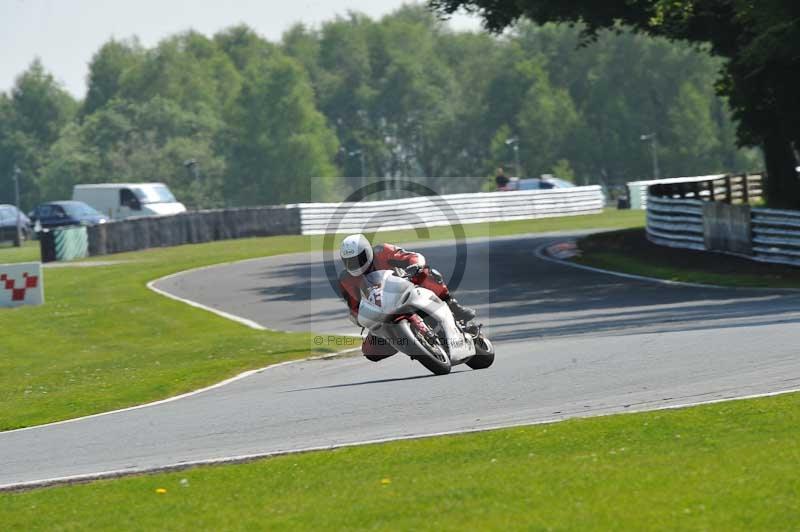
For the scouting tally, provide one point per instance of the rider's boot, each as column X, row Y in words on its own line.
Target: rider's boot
column 473, row 328
column 459, row 311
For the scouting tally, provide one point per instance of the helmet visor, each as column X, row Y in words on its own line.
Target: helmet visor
column 354, row 264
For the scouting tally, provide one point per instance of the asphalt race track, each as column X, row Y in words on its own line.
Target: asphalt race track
column 569, row 342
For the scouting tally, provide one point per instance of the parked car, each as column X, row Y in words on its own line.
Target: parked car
column 128, row 200
column 8, row 223
column 64, row 213
column 540, row 183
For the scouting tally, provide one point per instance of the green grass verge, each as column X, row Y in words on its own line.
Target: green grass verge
column 104, row 341
column 728, row 466
column 28, row 252
column 628, row 251
column 610, row 219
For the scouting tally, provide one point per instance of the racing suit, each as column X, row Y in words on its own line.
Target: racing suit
column 387, row 257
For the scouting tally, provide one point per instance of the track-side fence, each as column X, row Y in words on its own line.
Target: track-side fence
column 191, row 228
column 676, row 223
column 319, row 218
column 432, row 211
column 744, row 188
column 714, row 215
column 776, row 236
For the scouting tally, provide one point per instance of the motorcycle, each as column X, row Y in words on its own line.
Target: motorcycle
column 419, row 324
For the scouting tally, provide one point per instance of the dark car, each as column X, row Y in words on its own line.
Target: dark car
column 64, row 213
column 8, row 223
column 543, row 183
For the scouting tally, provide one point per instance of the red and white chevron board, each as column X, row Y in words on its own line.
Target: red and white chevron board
column 21, row 284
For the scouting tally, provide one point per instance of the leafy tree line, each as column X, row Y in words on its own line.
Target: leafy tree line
column 403, row 96
column 758, row 41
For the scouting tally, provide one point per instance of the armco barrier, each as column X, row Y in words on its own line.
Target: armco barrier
column 676, row 223
column 726, row 227
column 431, row 211
column 681, row 215
column 192, row 228
column 319, row 218
column 776, row 236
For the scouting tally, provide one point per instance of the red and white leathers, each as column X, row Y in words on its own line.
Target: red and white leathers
column 387, row 257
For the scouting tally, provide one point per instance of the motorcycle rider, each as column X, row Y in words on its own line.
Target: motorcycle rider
column 360, row 258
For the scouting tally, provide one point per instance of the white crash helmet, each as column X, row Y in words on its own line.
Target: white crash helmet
column 356, row 253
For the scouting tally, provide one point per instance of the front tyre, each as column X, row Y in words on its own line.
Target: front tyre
column 436, row 359
column 484, row 354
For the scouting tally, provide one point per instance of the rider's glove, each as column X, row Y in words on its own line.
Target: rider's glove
column 413, row 269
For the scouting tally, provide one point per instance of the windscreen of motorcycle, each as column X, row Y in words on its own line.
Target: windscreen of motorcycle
column 372, row 286
column 382, row 295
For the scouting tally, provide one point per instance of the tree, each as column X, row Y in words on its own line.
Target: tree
column 243, row 46
column 32, row 119
column 343, row 79
column 188, row 69
column 106, row 69
column 695, row 133
column 761, row 74
column 405, row 94
column 547, row 120
column 129, row 141
column 412, row 109
column 279, row 146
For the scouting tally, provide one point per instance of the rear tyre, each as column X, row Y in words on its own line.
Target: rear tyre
column 484, row 354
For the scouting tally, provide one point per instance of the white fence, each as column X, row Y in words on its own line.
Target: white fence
column 453, row 209
column 680, row 223
column 637, row 190
column 732, row 188
column 676, row 223
column 776, row 236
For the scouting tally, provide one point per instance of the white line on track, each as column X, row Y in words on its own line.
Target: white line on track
column 243, row 321
column 220, row 384
column 42, row 483
column 238, row 319
column 540, row 254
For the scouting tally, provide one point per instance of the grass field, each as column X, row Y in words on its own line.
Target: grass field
column 628, row 251
column 104, row 341
column 728, row 466
column 29, row 252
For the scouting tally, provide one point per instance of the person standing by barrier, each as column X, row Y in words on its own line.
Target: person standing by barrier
column 500, row 179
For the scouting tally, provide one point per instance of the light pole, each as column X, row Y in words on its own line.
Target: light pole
column 360, row 153
column 514, row 141
column 654, row 149
column 18, row 236
column 192, row 166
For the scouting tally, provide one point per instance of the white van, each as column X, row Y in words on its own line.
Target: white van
column 128, row 200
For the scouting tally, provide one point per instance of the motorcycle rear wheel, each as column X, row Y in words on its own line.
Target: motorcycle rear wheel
column 484, row 354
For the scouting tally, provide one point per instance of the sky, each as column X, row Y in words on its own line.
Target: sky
column 65, row 34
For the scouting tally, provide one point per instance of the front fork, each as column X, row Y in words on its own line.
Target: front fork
column 419, row 324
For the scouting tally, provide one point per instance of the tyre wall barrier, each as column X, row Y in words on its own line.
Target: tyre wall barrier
column 64, row 243
column 192, row 228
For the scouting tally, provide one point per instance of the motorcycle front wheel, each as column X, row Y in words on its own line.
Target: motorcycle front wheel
column 435, row 358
